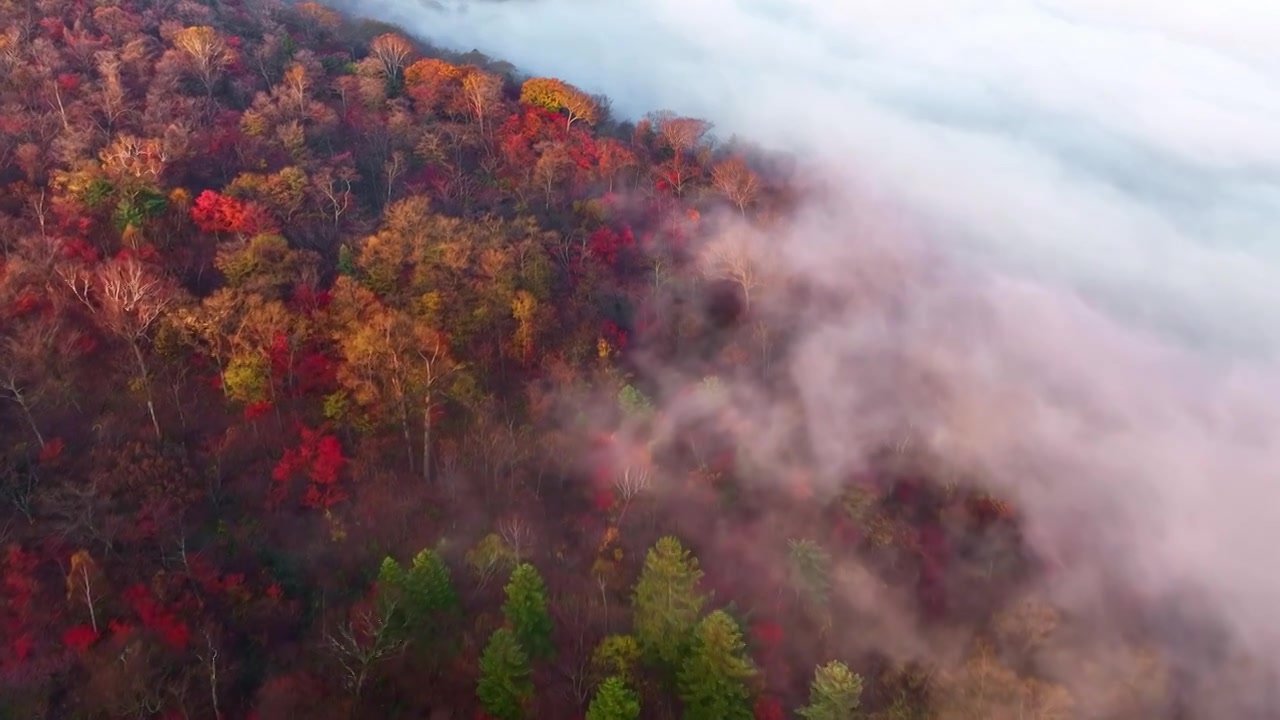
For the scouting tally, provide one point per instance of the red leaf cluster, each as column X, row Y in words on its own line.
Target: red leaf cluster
column 316, row 373
column 55, row 28
column 520, row 136
column 768, row 634
column 217, row 213
column 20, row 648
column 616, row 336
column 603, row 500
column 307, row 300
column 154, row 617
column 768, row 708
column 26, row 303
column 280, row 354
column 85, row 344
column 255, row 410
column 18, row 588
column 533, row 126
column 607, row 244
column 225, row 136
column 79, row 250
column 583, row 150
column 318, row 456
column 51, row 450
column 17, row 581
column 313, row 370
column 80, row 637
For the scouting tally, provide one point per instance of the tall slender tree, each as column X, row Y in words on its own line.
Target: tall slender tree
column 526, row 611
column 504, row 687
column 667, row 601
column 128, row 299
column 713, row 677
column 422, row 595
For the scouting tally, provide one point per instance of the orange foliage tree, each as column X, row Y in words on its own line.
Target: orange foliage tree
column 432, row 84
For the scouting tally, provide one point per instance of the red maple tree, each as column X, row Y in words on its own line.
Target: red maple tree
column 317, row 456
column 217, row 213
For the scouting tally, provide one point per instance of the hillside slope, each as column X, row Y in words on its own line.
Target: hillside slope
column 332, row 378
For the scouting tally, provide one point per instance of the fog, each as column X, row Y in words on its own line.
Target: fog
column 1095, row 187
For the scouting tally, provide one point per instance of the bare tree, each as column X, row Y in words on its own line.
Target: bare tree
column 22, row 360
column 112, row 99
column 573, row 611
column 482, row 91
column 127, row 299
column 729, row 257
column 210, row 659
column 207, row 52
column 739, row 183
column 552, row 167
column 356, row 656
column 680, row 134
column 392, row 51
column 630, row 483
column 333, row 191
column 517, row 534
column 394, row 168
column 75, row 510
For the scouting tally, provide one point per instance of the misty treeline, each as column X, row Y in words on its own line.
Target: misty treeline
column 339, row 378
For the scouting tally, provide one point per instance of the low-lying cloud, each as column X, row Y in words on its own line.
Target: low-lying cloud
column 1098, row 186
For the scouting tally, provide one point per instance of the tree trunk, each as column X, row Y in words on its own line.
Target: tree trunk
column 88, row 598
column 426, row 440
column 17, row 397
column 404, row 428
column 146, row 386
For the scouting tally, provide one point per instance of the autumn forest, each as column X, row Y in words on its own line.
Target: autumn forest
column 330, row 387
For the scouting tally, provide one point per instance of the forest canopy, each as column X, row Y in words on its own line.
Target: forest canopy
column 326, row 366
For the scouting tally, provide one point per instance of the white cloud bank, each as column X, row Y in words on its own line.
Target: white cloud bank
column 1110, row 168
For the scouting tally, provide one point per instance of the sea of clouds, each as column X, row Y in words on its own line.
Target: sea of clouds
column 1097, row 184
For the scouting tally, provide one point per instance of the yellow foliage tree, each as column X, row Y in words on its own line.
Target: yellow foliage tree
column 393, row 361
column 559, row 96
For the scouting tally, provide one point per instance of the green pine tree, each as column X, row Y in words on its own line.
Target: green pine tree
column 526, row 611
column 633, row 402
column 614, row 701
column 667, row 601
column 835, row 693
column 421, row 599
column 713, row 677
column 504, row 686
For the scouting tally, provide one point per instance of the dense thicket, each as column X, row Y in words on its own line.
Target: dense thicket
column 312, row 339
